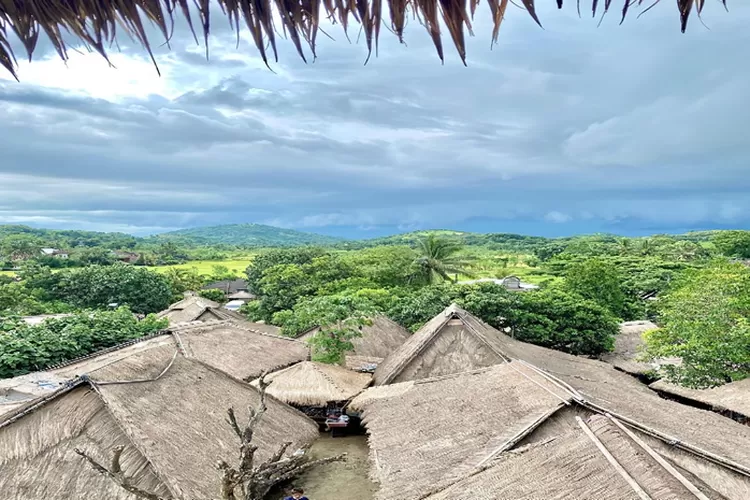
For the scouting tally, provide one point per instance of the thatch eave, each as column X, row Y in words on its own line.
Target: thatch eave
column 95, row 23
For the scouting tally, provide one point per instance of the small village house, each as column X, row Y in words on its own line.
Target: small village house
column 512, row 283
column 54, row 252
column 126, row 257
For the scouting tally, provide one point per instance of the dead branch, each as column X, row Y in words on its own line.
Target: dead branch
column 254, row 482
column 115, row 473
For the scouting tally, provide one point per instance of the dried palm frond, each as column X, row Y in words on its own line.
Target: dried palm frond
column 95, row 22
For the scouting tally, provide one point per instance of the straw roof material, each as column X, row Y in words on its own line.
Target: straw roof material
column 600, row 388
column 196, row 308
column 237, row 348
column 628, row 345
column 315, row 384
column 427, row 434
column 96, row 23
column 567, row 468
column 734, row 397
column 571, row 466
column 241, row 351
column 451, row 342
column 173, row 430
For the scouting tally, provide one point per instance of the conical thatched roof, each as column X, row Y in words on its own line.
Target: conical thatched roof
column 733, row 397
column 510, row 431
column 451, row 342
column 314, row 384
column 168, row 411
column 96, row 22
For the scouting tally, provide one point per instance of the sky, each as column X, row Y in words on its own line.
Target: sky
column 575, row 128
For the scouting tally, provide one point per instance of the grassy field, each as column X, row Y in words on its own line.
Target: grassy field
column 236, row 265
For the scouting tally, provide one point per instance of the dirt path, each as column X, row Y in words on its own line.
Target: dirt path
column 340, row 480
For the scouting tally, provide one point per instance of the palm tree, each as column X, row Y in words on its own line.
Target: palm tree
column 437, row 260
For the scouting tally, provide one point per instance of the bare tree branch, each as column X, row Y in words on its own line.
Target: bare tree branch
column 115, row 473
column 253, row 481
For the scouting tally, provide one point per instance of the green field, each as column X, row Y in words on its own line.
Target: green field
column 237, row 265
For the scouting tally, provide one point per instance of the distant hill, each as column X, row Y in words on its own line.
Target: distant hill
column 249, row 235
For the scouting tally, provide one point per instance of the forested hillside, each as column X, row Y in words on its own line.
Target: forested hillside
column 247, row 235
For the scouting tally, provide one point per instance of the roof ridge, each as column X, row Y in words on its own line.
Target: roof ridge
column 105, row 350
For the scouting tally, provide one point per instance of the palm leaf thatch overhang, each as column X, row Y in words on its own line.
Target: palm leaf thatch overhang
column 97, row 22
column 166, row 410
column 315, row 384
column 238, row 349
column 513, row 431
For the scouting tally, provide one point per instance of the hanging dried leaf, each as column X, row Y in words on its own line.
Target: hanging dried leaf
column 95, row 22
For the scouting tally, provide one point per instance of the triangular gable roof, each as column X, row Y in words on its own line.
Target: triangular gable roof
column 439, row 428
column 628, row 344
column 314, row 384
column 483, row 336
column 170, row 412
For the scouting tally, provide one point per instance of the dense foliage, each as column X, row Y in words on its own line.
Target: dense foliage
column 25, row 348
column 587, row 283
column 97, row 287
column 706, row 323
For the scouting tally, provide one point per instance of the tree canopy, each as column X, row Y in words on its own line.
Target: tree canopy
column 705, row 321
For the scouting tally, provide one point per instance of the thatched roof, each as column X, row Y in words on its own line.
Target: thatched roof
column 733, row 397
column 239, row 350
column 509, row 431
column 314, row 384
column 96, row 23
column 196, row 308
column 431, row 433
column 571, row 466
column 173, row 428
column 451, row 342
column 628, row 346
column 598, row 387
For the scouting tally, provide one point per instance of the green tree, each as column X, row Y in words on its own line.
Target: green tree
column 221, row 273
column 96, row 287
column 437, row 260
column 25, row 348
column 705, row 323
column 563, row 321
column 385, row 266
column 182, row 280
column 213, row 294
column 415, row 307
column 733, row 243
column 264, row 261
column 598, row 280
column 340, row 318
column 21, row 247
